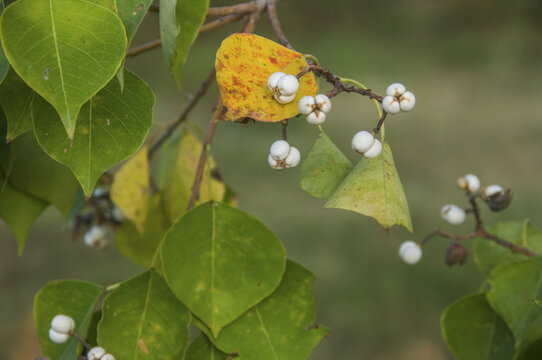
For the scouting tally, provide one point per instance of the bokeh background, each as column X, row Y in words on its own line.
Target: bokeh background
column 475, row 68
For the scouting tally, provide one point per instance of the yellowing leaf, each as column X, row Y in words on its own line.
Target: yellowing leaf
column 373, row 188
column 243, row 65
column 130, row 189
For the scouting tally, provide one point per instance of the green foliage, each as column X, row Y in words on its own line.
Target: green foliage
column 324, row 168
column 137, row 320
column 239, row 262
column 202, row 349
column 72, row 298
column 474, row 331
column 76, row 48
column 110, row 128
column 15, row 99
column 4, row 63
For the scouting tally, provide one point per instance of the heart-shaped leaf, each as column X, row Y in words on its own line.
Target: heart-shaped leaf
column 15, row 98
column 220, row 261
column 243, row 65
column 324, row 169
column 373, row 188
column 110, row 128
column 142, row 319
column 66, row 50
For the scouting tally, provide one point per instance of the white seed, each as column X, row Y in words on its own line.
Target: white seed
column 288, row 85
column 374, row 150
column 293, row 158
column 306, row 104
column 273, row 163
column 453, row 214
column 284, row 99
column 62, row 324
column 117, row 214
column 316, row 117
column 395, row 89
column 473, row 183
column 279, row 150
column 95, row 237
column 493, row 190
column 108, row 357
column 323, row 103
column 96, row 353
column 407, row 101
column 273, row 80
column 391, row 105
column 362, row 141
column 410, row 252
column 58, row 338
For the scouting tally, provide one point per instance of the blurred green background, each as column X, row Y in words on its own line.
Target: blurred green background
column 475, row 68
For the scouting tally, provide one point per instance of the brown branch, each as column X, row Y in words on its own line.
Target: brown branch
column 380, row 123
column 220, row 22
column 142, row 48
column 275, row 23
column 284, row 130
column 248, row 7
column 80, row 339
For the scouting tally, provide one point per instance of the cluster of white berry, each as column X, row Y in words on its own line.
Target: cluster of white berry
column 283, row 86
column 315, row 108
column 61, row 327
column 98, row 353
column 410, row 252
column 282, row 155
column 96, row 237
column 398, row 99
column 365, row 143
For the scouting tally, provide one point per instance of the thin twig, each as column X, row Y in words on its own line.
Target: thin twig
column 380, row 123
column 247, row 7
column 142, row 48
column 80, row 339
column 284, row 130
column 275, row 23
column 221, row 22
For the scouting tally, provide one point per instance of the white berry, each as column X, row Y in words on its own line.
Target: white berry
column 362, row 141
column 391, row 105
column 293, row 158
column 410, row 252
column 58, row 338
column 288, row 85
column 108, row 357
column 306, row 104
column 407, row 101
column 96, row 353
column 279, row 150
column 284, row 99
column 323, row 103
column 316, row 117
column 117, row 214
column 395, row 89
column 473, row 183
column 273, row 162
column 453, row 214
column 374, row 150
column 62, row 324
column 493, row 190
column 273, row 80
column 96, row 237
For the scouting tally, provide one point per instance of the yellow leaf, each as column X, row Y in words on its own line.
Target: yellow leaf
column 130, row 189
column 243, row 65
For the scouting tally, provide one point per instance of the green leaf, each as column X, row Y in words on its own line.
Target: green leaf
column 179, row 27
column 73, row 298
column 26, row 168
column 489, row 255
column 202, row 349
column 132, row 12
column 474, row 331
column 324, row 169
column 374, row 189
column 142, row 319
column 220, row 261
column 110, row 128
column 4, row 63
column 513, row 286
column 66, row 50
column 281, row 326
column 142, row 248
column 179, row 164
column 15, row 98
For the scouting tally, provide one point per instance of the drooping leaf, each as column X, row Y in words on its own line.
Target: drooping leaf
column 4, row 63
column 220, row 261
column 142, row 248
column 513, row 286
column 34, row 173
column 169, row 29
column 110, row 128
column 130, row 189
column 281, row 326
column 489, row 255
column 179, row 165
column 15, row 98
column 202, row 349
column 142, row 319
column 373, row 188
column 243, row 65
column 474, row 331
column 66, row 50
column 68, row 297
column 324, row 169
